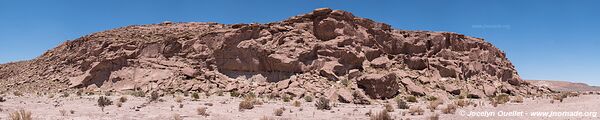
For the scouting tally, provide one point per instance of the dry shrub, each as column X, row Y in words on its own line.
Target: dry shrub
column 360, row 98
column 20, row 115
column 267, row 118
column 63, row 112
column 278, row 112
column 196, row 96
column 435, row 116
column 383, row 115
column 308, row 98
column 518, row 99
column 246, row 104
column 234, row 94
column 560, row 97
column 462, row 103
column 154, row 96
column 178, row 99
column 494, row 103
column 65, row 94
column 431, row 98
column 177, row 117
column 219, row 93
column 323, row 104
column 297, row 103
column 103, row 102
column 118, row 103
column 17, row 93
column 138, row 93
column 434, row 104
column 389, row 108
column 202, row 111
column 502, row 98
column 401, row 104
column 286, row 98
column 416, row 110
column 123, row 99
column 552, row 101
column 2, row 99
column 412, row 99
column 450, row 109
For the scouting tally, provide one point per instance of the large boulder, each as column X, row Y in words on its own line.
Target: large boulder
column 379, row 86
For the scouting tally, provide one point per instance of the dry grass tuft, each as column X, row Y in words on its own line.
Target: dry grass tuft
column 416, row 110
column 247, row 103
column 178, row 99
column 434, row 104
column 177, row 117
column 267, row 118
column 389, row 108
column 560, row 97
column 118, row 103
column 502, row 98
column 383, row 115
column 17, row 93
column 123, row 99
column 412, row 99
column 196, row 96
column 308, row 98
column 450, row 109
column 138, row 94
column 20, row 115
column 278, row 112
column 286, row 98
column 63, row 112
column 435, row 116
column 154, row 96
column 297, row 103
column 401, row 104
column 518, row 99
column 323, row 104
column 2, row 99
column 103, row 102
column 202, row 111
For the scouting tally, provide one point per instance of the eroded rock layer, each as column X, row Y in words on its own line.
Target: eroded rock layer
column 325, row 53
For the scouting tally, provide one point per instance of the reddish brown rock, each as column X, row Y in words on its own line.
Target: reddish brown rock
column 379, row 86
column 307, row 53
column 412, row 88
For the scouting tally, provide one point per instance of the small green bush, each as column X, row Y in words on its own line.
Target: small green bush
column 195, row 96
column 308, row 98
column 411, row 99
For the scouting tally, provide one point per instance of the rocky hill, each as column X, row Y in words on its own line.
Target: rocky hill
column 324, row 53
column 564, row 85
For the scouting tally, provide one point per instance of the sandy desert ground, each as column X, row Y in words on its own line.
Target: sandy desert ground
column 226, row 108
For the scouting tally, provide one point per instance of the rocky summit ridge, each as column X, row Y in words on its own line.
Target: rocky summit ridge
column 324, row 53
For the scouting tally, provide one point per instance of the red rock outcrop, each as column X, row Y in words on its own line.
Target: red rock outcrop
column 326, row 52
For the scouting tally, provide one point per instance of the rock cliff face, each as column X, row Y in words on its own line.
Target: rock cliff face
column 325, row 53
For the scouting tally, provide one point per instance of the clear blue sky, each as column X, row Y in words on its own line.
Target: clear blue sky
column 545, row 39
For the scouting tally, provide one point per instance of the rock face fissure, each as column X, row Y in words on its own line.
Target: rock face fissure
column 326, row 52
